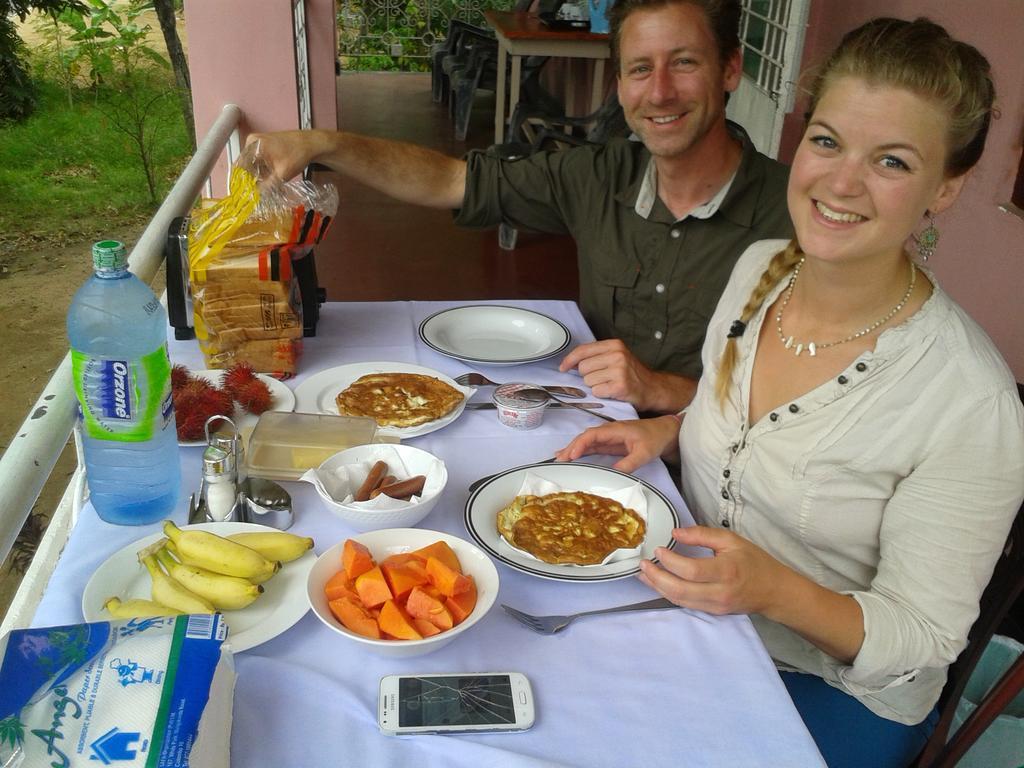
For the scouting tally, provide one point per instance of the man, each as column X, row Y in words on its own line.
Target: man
column 658, row 222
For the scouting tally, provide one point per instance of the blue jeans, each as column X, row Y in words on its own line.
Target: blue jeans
column 847, row 733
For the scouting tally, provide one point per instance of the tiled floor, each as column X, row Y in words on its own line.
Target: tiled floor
column 382, row 250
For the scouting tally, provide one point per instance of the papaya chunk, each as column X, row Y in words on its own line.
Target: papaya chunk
column 396, row 622
column 403, row 578
column 400, row 558
column 444, row 578
column 340, row 585
column 462, row 604
column 354, row 617
column 420, row 605
column 442, row 552
column 424, row 627
column 373, row 588
column 355, row 559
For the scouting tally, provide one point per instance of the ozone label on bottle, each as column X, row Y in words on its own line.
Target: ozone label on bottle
column 123, row 400
column 115, row 391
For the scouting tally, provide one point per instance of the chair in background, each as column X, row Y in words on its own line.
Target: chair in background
column 466, row 61
column 536, row 128
column 448, row 54
column 1003, row 590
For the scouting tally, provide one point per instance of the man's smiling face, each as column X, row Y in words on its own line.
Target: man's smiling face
column 672, row 81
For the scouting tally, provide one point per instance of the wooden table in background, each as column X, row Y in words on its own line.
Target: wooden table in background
column 524, row 34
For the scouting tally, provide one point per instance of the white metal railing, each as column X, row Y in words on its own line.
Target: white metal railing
column 33, row 452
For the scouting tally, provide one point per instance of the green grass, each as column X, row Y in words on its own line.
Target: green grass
column 69, row 169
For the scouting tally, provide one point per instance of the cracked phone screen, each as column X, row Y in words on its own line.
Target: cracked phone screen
column 455, row 700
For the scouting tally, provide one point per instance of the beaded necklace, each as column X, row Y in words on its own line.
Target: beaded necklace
column 813, row 347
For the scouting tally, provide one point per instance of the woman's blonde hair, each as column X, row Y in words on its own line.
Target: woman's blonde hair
column 918, row 56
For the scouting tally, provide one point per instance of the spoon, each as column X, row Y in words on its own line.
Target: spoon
column 541, row 395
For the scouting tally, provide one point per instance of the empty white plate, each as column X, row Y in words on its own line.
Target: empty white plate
column 494, row 335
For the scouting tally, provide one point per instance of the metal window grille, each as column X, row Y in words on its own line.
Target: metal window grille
column 763, row 30
column 379, row 30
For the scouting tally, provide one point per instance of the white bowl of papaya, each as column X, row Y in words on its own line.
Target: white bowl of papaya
column 402, row 591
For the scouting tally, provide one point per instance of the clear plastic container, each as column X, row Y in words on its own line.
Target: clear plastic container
column 118, row 334
column 284, row 445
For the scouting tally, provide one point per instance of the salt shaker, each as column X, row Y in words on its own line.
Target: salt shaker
column 218, row 492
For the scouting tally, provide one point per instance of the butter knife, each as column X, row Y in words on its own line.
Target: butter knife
column 492, row 406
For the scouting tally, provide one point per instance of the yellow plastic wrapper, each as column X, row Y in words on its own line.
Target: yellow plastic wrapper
column 246, row 301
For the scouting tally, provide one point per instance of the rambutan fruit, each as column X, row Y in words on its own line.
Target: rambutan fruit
column 180, row 376
column 238, row 375
column 196, row 402
column 254, row 396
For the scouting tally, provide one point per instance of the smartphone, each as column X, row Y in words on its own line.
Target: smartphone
column 479, row 702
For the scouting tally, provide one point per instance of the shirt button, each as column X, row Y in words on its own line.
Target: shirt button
column 842, row 379
column 675, row 234
column 735, row 447
column 726, row 473
column 725, row 494
column 862, row 367
column 793, row 408
column 773, row 416
column 725, row 523
column 658, row 335
column 660, row 288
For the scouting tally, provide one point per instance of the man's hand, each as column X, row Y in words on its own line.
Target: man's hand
column 286, row 153
column 612, row 371
column 637, row 441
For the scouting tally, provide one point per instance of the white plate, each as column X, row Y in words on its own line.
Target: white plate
column 483, row 507
column 281, row 399
column 494, row 335
column 318, row 393
column 281, row 605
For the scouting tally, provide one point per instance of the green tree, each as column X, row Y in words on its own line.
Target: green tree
column 17, row 96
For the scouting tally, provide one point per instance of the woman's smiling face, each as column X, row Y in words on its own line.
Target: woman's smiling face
column 870, row 163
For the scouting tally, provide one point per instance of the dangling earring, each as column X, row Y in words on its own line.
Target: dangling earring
column 928, row 239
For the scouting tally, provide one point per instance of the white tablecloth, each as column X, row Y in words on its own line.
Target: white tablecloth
column 657, row 688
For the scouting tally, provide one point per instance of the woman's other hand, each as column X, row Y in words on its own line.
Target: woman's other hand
column 637, row 441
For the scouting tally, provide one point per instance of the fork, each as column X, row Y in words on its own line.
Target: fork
column 549, row 625
column 479, row 380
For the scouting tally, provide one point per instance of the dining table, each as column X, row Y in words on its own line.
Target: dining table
column 656, row 688
column 522, row 34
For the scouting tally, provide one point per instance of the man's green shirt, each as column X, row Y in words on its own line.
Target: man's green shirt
column 652, row 282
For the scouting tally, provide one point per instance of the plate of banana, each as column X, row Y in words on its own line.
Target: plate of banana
column 254, row 575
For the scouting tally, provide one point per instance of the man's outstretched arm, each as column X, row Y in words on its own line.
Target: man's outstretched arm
column 406, row 172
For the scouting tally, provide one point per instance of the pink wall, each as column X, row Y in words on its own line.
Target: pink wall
column 980, row 259
column 242, row 52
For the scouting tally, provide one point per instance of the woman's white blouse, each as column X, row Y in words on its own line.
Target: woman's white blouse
column 895, row 482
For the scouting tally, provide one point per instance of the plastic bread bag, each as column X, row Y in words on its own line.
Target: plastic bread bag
column 136, row 692
column 241, row 248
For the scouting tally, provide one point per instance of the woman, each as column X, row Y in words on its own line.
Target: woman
column 854, row 455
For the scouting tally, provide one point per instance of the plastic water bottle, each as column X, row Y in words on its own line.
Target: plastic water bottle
column 117, row 329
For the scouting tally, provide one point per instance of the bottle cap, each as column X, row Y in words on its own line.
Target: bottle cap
column 109, row 256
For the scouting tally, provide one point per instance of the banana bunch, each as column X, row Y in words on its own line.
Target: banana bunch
column 196, row 571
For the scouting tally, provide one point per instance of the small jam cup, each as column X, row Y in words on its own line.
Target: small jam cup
column 517, row 412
